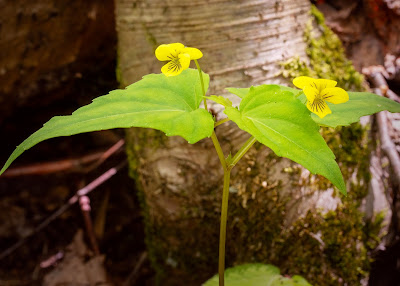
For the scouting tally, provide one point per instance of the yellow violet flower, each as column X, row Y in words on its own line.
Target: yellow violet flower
column 318, row 91
column 177, row 56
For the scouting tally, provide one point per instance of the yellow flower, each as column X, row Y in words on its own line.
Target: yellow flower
column 177, row 56
column 318, row 91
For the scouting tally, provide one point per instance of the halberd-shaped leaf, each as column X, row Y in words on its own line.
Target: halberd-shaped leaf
column 169, row 104
column 359, row 104
column 242, row 92
column 280, row 121
column 256, row 275
column 220, row 99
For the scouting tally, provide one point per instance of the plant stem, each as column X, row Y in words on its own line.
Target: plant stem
column 213, row 136
column 222, row 230
column 219, row 150
column 227, row 176
column 246, row 146
column 224, row 207
column 202, row 83
column 221, row 122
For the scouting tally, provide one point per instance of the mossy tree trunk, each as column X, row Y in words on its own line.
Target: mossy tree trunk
column 273, row 213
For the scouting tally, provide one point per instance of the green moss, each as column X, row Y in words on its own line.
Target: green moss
column 140, row 139
column 332, row 248
column 326, row 248
column 151, row 39
column 118, row 72
column 137, row 140
column 326, row 57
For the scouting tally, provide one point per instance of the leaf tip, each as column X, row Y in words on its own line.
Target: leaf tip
column 342, row 188
column 6, row 165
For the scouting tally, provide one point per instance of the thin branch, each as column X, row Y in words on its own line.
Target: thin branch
column 52, row 167
column 393, row 96
column 132, row 277
column 388, row 146
column 77, row 164
column 381, row 88
column 84, row 202
column 113, row 149
column 84, row 191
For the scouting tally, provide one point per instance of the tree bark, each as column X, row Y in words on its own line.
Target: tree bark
column 46, row 45
column 243, row 43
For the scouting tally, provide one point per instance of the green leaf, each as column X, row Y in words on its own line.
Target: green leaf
column 280, row 121
column 169, row 104
column 256, row 275
column 359, row 104
column 242, row 92
column 220, row 99
column 295, row 91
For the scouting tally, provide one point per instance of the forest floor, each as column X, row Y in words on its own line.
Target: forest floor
column 29, row 200
column 26, row 201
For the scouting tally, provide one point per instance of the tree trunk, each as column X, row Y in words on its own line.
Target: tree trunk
column 44, row 49
column 273, row 213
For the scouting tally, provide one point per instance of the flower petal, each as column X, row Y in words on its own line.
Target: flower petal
column 168, row 52
column 325, row 83
column 335, row 95
column 193, row 53
column 184, row 60
column 311, row 93
column 171, row 68
column 178, row 47
column 303, row 81
column 163, row 53
column 319, row 107
column 320, row 84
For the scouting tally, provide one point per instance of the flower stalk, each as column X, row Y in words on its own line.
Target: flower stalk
column 202, row 83
column 227, row 165
column 222, row 229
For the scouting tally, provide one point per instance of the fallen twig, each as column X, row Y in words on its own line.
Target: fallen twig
column 84, row 202
column 393, row 96
column 380, row 87
column 84, row 191
column 77, row 164
column 52, row 167
column 52, row 260
column 132, row 276
column 117, row 146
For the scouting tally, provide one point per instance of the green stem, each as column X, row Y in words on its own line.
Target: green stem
column 225, row 195
column 222, row 230
column 221, row 122
column 202, row 83
column 246, row 146
column 219, row 150
column 227, row 175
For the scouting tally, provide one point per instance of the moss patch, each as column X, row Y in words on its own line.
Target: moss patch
column 326, row 57
column 326, row 248
column 137, row 139
column 332, row 248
